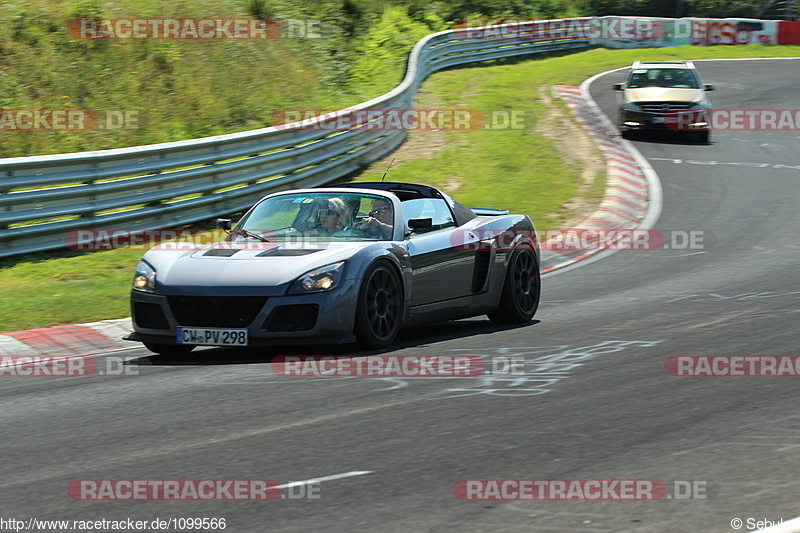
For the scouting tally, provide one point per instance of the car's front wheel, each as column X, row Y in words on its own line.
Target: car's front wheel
column 169, row 349
column 521, row 289
column 380, row 306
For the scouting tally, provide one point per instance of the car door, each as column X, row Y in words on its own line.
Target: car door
column 442, row 257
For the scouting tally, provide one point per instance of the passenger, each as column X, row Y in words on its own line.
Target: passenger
column 335, row 218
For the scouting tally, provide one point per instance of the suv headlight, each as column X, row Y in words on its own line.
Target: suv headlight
column 320, row 279
column 630, row 106
column 145, row 278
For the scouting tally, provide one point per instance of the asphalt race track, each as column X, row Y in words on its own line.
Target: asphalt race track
column 594, row 402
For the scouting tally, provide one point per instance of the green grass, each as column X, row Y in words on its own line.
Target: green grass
column 44, row 291
column 184, row 89
column 507, row 168
column 512, row 169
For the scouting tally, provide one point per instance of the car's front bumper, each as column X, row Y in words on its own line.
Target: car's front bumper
column 679, row 122
column 316, row 318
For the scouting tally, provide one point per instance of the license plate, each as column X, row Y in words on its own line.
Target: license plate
column 212, row 336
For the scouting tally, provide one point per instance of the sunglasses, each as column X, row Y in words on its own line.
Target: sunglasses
column 378, row 211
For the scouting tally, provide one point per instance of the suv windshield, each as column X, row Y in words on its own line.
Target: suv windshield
column 678, row 78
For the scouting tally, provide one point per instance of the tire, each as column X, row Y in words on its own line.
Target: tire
column 379, row 310
column 521, row 289
column 169, row 349
column 627, row 134
column 702, row 137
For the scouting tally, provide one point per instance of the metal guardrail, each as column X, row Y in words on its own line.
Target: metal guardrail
column 171, row 184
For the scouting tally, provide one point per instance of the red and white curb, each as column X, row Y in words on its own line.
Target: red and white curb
column 627, row 188
column 67, row 341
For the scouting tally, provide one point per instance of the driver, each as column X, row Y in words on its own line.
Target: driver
column 380, row 220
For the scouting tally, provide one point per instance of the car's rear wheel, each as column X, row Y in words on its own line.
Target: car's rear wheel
column 169, row 349
column 380, row 306
column 521, row 289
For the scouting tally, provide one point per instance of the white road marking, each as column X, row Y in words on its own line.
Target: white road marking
column 324, row 478
column 731, row 163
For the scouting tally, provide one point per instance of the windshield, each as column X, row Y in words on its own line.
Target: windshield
column 318, row 216
column 678, row 78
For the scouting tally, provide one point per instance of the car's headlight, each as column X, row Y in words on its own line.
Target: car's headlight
column 145, row 278
column 700, row 105
column 320, row 279
column 630, row 106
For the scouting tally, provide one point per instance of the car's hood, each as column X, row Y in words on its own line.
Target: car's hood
column 664, row 94
column 240, row 268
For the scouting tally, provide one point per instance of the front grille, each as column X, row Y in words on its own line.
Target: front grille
column 662, row 108
column 301, row 317
column 216, row 311
column 149, row 315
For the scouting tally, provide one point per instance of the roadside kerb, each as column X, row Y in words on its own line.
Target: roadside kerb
column 627, row 189
column 68, row 341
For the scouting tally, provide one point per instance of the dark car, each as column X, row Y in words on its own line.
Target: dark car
column 335, row 265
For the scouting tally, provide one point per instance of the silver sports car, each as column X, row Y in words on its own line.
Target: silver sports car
column 354, row 262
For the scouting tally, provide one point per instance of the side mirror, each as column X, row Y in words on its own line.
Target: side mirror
column 224, row 224
column 618, row 86
column 708, row 87
column 420, row 223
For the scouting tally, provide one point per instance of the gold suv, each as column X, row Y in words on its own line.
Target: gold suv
column 664, row 95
